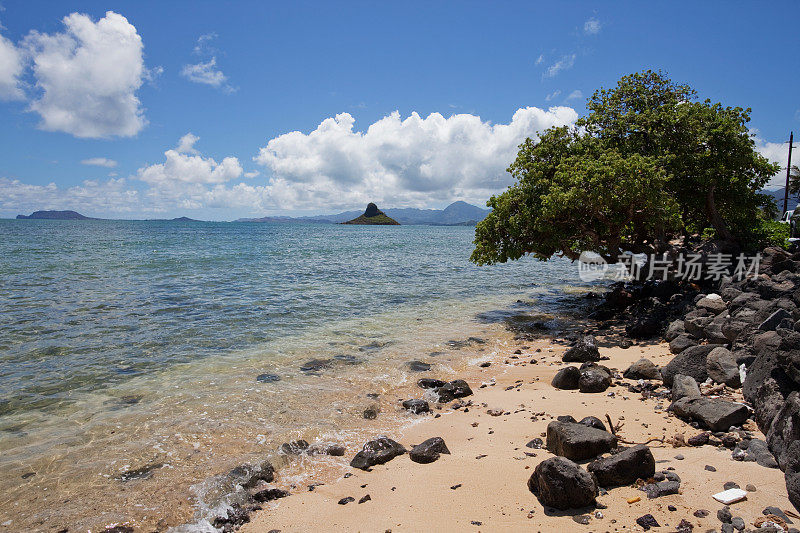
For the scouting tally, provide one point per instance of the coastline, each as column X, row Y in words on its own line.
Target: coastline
column 489, row 464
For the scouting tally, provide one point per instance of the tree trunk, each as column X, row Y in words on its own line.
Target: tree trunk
column 714, row 218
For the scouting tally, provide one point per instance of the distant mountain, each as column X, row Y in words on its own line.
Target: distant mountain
column 777, row 195
column 456, row 214
column 54, row 215
column 373, row 217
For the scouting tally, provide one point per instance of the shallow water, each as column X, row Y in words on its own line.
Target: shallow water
column 129, row 351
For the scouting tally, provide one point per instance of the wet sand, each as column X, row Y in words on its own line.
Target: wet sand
column 482, row 485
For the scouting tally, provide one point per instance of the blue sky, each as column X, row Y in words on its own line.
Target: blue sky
column 406, row 104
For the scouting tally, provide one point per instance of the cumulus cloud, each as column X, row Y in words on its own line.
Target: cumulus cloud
column 11, row 67
column 186, row 144
column 88, row 76
column 252, row 174
column 411, row 161
column 592, row 26
column 565, row 63
column 181, row 168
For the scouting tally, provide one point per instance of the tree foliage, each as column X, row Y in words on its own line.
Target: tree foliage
column 647, row 161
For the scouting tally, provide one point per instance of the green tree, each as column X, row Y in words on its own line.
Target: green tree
column 646, row 161
column 794, row 180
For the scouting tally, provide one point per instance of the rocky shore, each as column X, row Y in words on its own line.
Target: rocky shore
column 676, row 406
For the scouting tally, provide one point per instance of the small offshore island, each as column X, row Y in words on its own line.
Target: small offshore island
column 373, row 217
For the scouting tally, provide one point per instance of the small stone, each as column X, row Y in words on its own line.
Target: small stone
column 672, row 508
column 346, row 500
column 710, row 468
column 536, row 443
column 647, row 521
column 701, row 513
column 679, row 457
column 365, row 498
column 750, row 487
column 724, row 515
column 454, row 487
column 738, row 523
column 582, row 519
column 730, row 485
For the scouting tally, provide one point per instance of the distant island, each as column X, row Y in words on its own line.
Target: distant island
column 456, row 214
column 54, row 215
column 373, row 217
column 74, row 215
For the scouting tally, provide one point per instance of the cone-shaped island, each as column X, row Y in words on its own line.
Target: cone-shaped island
column 373, row 216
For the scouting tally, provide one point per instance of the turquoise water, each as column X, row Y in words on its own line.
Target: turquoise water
column 121, row 342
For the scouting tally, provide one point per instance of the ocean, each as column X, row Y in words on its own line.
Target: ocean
column 142, row 360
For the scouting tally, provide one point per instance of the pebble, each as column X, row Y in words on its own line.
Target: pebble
column 724, row 515
column 701, row 513
column 750, row 487
column 366, row 498
column 710, row 468
column 679, row 457
column 731, row 485
column 345, row 501
column 583, row 519
column 738, row 523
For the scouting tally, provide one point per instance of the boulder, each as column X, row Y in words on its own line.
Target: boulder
column 755, row 450
column 625, row 467
column 714, row 331
column 562, row 484
column 455, row 389
column 712, row 302
column 681, row 342
column 429, row 451
column 785, row 429
column 690, row 362
column 764, row 366
column 584, row 351
column 696, row 321
column 644, row 327
column 593, row 422
column 416, row 406
column 769, row 399
column 714, row 414
column 772, row 322
column 722, row 368
column 642, row 369
column 566, row 378
column 377, row 452
column 594, row 379
column 674, row 330
column 577, row 441
column 684, row 387
column 792, row 474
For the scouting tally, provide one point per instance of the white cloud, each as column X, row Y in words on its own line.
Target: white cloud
column 11, row 67
column 206, row 72
column 100, row 162
column 90, row 197
column 575, row 94
column 413, row 161
column 186, row 144
column 778, row 153
column 565, row 63
column 252, row 174
column 181, row 168
column 552, row 95
column 592, row 26
column 539, row 60
column 89, row 75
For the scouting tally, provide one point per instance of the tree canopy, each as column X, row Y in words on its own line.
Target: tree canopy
column 647, row 162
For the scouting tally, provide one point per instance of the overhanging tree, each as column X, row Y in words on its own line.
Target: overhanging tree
column 647, row 161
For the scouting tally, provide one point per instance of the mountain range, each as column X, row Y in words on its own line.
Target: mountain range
column 456, row 214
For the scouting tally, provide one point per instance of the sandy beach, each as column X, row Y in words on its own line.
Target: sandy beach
column 482, row 484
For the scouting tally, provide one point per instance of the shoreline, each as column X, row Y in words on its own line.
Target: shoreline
column 481, row 485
